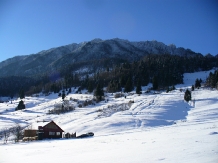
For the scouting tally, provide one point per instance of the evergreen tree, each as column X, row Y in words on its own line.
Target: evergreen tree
column 197, row 83
column 128, row 86
column 63, row 95
column 90, row 87
column 187, row 96
column 69, row 91
column 20, row 106
column 113, row 86
column 144, row 77
column 155, row 83
column 117, row 86
column 138, row 88
column 99, row 92
column 212, row 80
column 122, row 81
column 200, row 80
column 193, row 88
column 168, row 89
column 21, row 94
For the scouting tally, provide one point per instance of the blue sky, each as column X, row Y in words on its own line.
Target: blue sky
column 29, row 26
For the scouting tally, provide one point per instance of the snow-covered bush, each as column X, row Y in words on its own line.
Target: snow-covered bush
column 118, row 95
column 63, row 107
column 111, row 109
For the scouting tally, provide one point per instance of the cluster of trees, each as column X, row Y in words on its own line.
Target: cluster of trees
column 163, row 71
column 197, row 84
column 212, row 80
column 11, row 86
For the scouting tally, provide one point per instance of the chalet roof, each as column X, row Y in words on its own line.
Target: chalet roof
column 35, row 125
column 54, row 124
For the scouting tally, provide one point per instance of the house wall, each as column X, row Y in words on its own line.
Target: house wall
column 52, row 134
column 53, row 131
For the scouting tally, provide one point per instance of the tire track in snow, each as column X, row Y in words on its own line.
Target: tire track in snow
column 143, row 104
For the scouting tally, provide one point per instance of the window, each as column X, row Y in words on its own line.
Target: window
column 51, row 133
column 58, row 133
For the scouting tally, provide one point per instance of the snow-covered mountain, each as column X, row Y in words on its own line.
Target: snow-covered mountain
column 55, row 58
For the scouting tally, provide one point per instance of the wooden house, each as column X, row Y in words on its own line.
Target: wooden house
column 50, row 131
column 44, row 130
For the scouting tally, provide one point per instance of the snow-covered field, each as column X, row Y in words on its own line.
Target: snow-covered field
column 158, row 127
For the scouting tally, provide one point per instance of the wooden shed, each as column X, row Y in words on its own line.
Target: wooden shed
column 30, row 133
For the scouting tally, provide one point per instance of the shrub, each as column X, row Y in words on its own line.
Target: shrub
column 118, row 95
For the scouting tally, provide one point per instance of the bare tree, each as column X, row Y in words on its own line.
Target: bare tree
column 17, row 131
column 6, row 134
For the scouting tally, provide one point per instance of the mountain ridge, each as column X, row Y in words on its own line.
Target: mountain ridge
column 96, row 49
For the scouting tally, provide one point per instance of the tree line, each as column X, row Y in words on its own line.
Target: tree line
column 163, row 71
column 212, row 80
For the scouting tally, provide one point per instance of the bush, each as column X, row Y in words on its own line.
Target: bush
column 118, row 95
column 62, row 108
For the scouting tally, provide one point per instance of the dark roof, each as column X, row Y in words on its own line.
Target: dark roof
column 54, row 124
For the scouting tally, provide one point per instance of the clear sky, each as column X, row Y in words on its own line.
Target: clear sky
column 30, row 26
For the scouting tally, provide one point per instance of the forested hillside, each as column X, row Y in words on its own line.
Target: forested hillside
column 161, row 70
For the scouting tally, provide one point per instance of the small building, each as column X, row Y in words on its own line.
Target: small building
column 44, row 130
column 30, row 133
column 50, row 131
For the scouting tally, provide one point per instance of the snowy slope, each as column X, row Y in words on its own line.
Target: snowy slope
column 158, row 127
column 179, row 143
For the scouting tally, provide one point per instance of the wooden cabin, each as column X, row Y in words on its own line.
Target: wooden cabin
column 44, row 130
column 50, row 131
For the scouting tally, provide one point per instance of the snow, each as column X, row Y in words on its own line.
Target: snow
column 158, row 127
